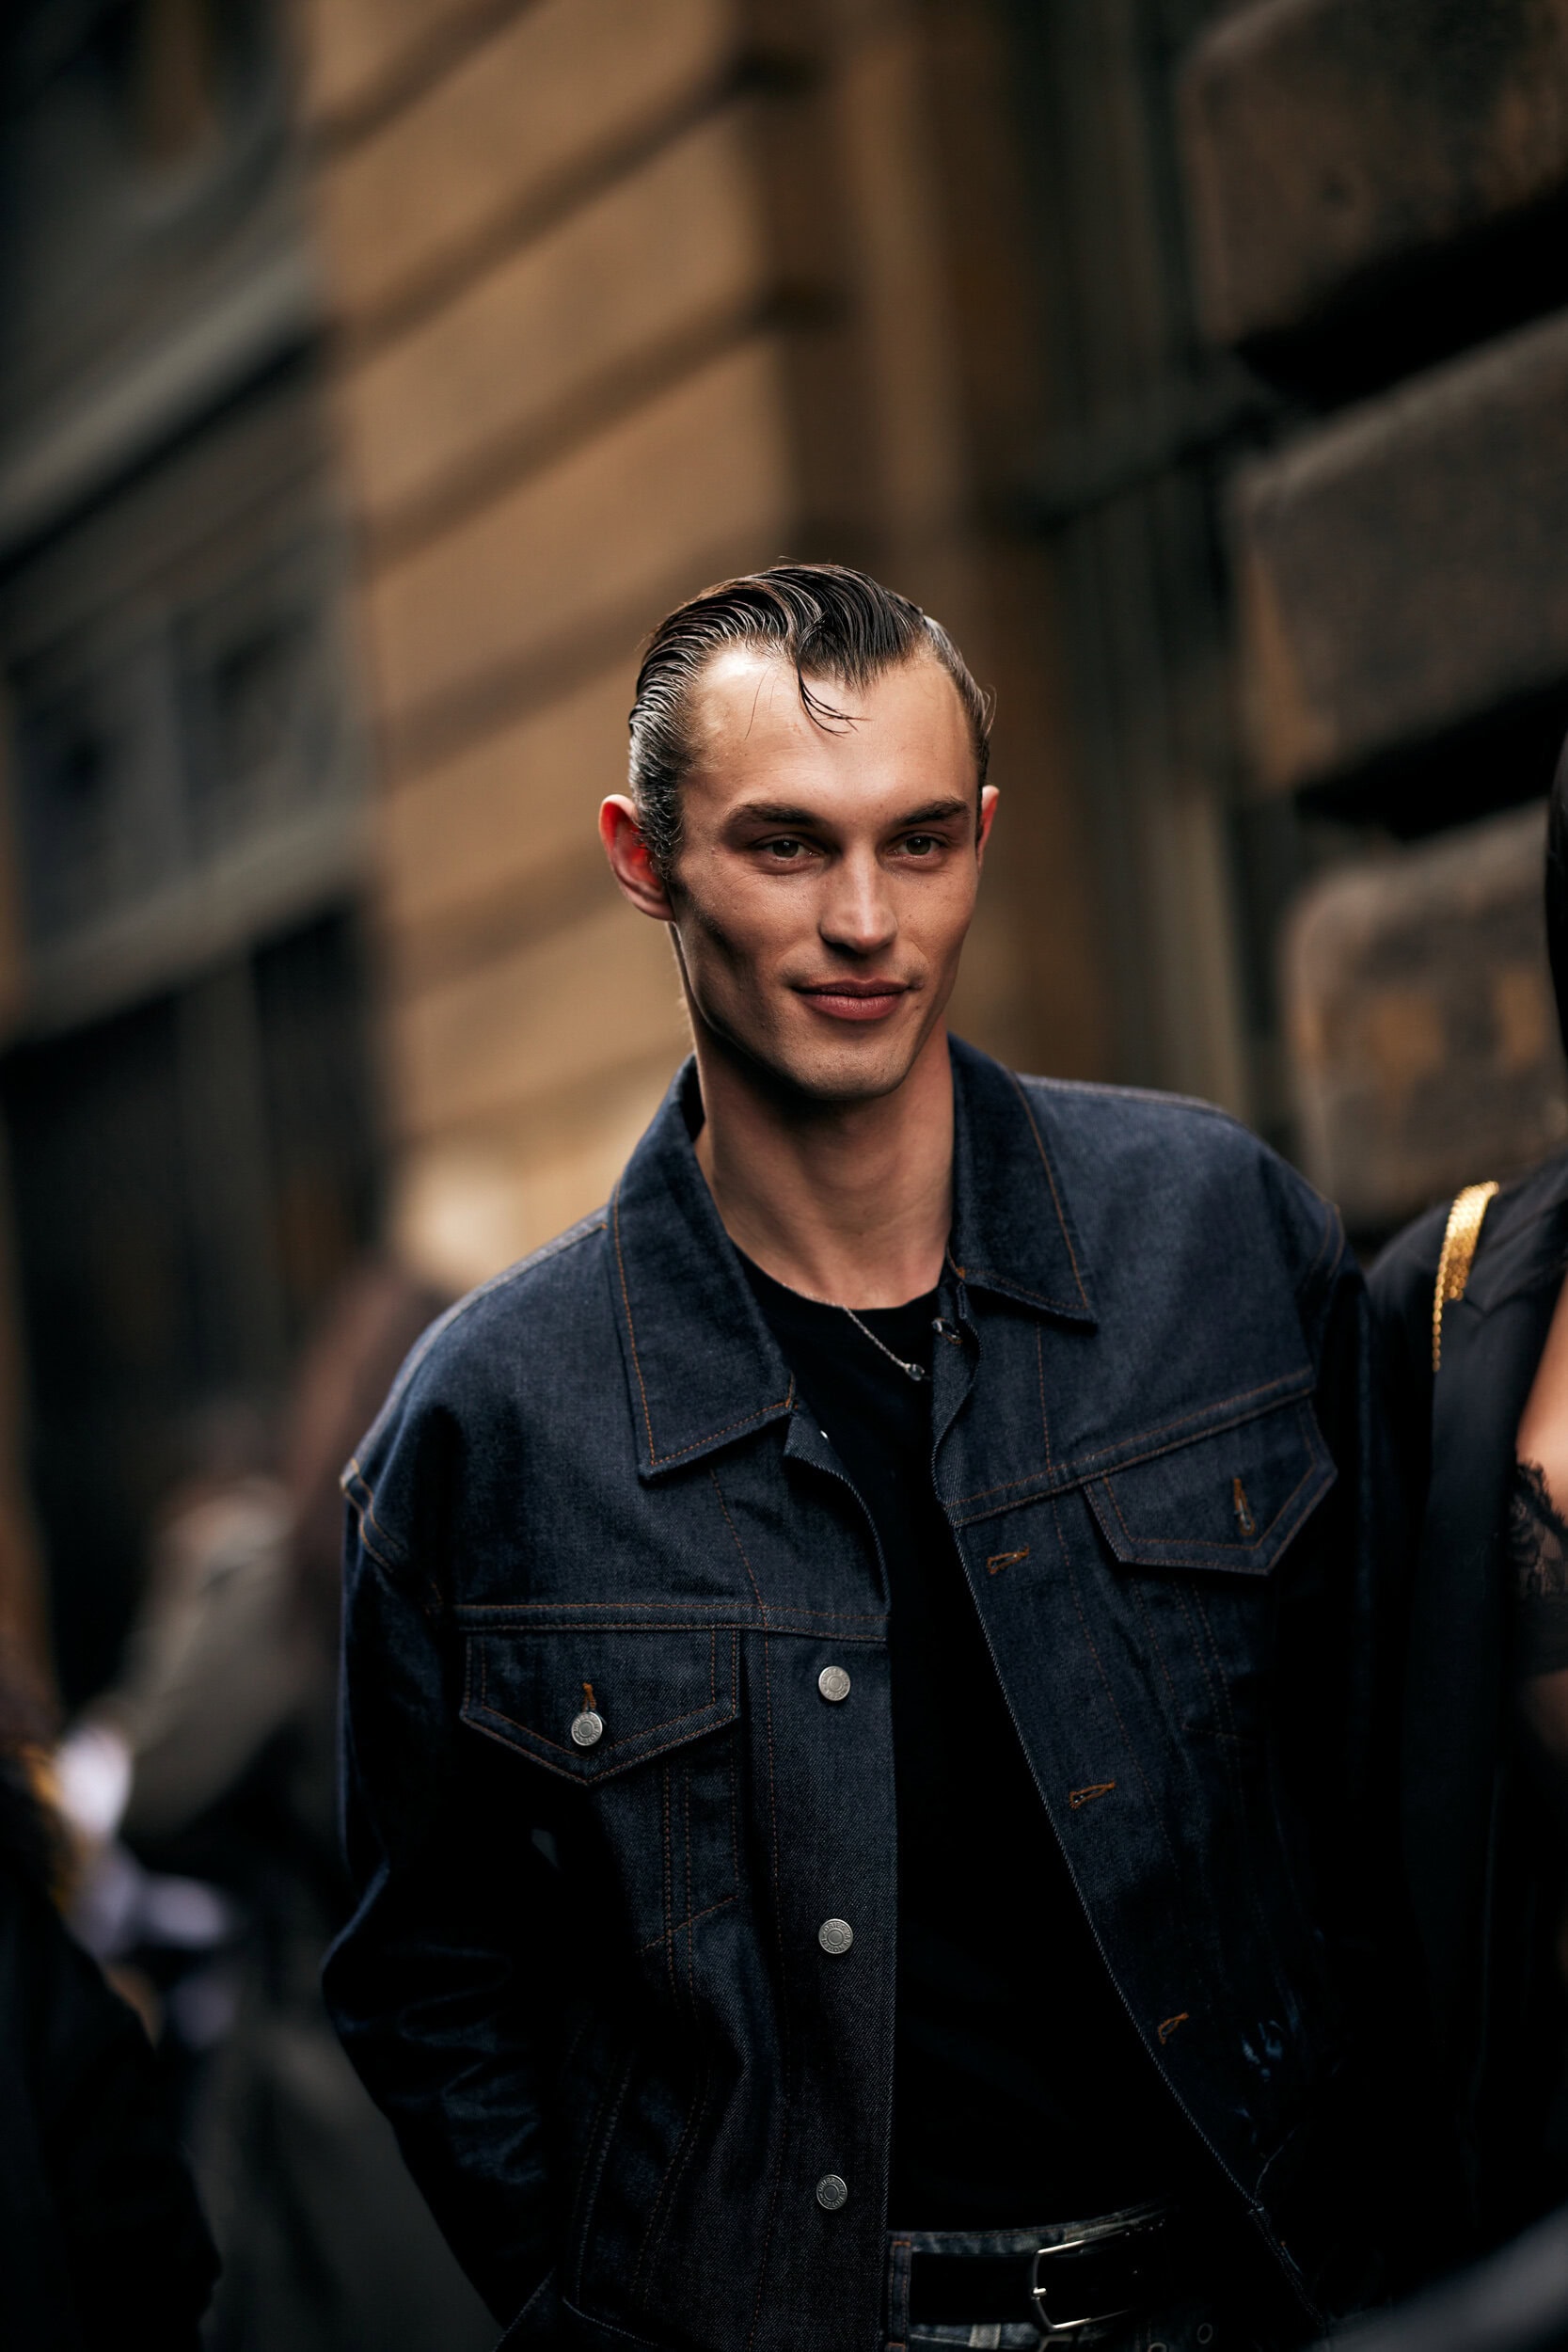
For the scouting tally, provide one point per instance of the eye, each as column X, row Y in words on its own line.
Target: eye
column 786, row 848
column 920, row 844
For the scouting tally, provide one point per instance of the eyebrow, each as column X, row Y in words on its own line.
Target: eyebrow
column 776, row 813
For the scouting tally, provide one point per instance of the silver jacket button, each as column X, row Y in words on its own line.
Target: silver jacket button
column 831, row 2192
column 834, row 1683
column 835, row 1936
column 586, row 1728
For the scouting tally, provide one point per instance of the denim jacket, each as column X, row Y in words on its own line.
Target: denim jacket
column 598, row 1803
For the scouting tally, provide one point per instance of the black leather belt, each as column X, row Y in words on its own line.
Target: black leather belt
column 1096, row 2276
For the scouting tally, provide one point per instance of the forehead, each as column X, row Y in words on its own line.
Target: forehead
column 749, row 727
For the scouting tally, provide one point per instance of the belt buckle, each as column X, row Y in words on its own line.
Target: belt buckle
column 1050, row 2328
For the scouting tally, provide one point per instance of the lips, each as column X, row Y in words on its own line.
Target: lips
column 856, row 1000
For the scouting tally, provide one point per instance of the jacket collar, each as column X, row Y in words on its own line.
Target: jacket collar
column 1013, row 1232
column 702, row 1369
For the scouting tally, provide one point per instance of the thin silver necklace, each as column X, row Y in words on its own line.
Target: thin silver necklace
column 913, row 1372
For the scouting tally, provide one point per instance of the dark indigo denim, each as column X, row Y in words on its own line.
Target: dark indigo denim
column 585, row 1981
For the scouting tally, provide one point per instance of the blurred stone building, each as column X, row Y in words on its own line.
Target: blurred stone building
column 1378, row 193
column 377, row 371
column 188, row 1106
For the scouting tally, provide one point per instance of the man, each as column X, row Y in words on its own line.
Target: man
column 862, row 1656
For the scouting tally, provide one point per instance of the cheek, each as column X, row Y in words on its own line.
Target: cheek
column 730, row 942
column 744, row 921
column 935, row 915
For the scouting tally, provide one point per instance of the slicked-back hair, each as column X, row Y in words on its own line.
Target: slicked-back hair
column 827, row 621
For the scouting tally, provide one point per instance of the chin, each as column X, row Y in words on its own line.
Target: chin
column 848, row 1073
column 860, row 1065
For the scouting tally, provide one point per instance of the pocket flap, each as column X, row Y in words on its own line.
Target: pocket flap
column 1232, row 1500
column 647, row 1690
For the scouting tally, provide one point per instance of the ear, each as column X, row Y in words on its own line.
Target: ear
column 988, row 798
column 629, row 862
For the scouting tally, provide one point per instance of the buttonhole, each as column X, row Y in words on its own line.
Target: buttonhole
column 1243, row 1509
column 1000, row 1560
column 1086, row 1796
column 588, row 1706
column 1168, row 2024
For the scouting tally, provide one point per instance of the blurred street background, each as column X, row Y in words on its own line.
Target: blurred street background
column 372, row 375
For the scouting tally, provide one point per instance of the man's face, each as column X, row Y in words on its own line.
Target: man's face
column 828, row 873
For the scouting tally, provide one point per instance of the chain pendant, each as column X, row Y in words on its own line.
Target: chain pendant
column 910, row 1372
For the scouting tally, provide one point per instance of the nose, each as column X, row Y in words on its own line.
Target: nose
column 856, row 913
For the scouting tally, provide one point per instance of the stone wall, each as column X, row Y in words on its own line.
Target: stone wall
column 629, row 294
column 1378, row 193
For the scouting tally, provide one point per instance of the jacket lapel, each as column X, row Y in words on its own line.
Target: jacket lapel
column 1458, row 1661
column 702, row 1369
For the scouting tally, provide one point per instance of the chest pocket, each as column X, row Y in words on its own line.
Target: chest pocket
column 642, row 1721
column 1230, row 1501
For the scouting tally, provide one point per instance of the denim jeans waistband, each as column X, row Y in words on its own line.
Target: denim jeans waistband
column 1187, row 2327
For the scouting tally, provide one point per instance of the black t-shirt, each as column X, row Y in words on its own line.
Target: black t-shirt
column 1021, row 2093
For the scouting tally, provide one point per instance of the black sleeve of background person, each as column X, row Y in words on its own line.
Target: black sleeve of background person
column 1343, row 1609
column 1343, row 1632
column 1400, row 1289
column 999, row 2116
column 136, row 2252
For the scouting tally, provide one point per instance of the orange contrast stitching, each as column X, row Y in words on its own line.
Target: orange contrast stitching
column 665, row 1723
column 1201, row 1543
column 654, row 1457
column 1045, row 1418
column 631, row 1328
column 1106, row 1679
column 1056, row 1198
column 762, row 1605
column 679, row 1927
column 469, row 1613
column 1077, row 1469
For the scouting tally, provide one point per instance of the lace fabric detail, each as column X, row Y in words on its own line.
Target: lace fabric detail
column 1536, row 1537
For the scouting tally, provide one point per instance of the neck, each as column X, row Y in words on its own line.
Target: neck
column 850, row 1202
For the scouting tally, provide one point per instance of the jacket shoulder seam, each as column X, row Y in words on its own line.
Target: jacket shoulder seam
column 354, row 1483
column 1094, row 1090
column 361, row 1496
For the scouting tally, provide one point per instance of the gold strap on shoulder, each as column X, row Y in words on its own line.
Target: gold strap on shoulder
column 1460, row 1237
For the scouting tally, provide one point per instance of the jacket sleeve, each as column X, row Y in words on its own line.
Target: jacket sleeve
column 444, row 1986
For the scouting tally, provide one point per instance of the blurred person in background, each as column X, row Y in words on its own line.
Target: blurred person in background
column 864, row 1659
column 102, row 2240
column 1472, row 1309
column 214, row 1758
column 209, row 1676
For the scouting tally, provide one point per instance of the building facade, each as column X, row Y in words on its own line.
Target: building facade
column 191, row 1146
column 378, row 371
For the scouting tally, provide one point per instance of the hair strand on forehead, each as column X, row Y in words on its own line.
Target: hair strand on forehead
column 827, row 621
